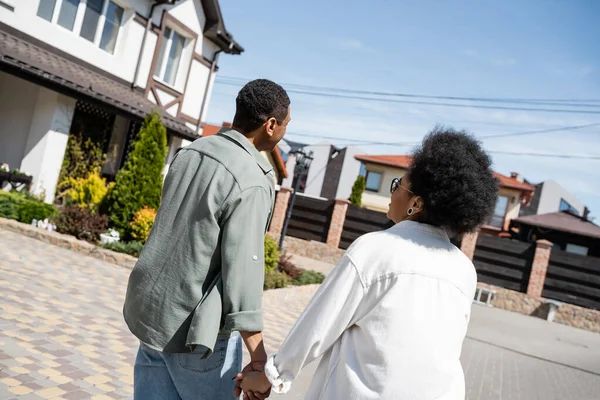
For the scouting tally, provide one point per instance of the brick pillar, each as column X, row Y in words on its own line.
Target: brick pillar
column 468, row 244
column 539, row 267
column 337, row 223
column 281, row 205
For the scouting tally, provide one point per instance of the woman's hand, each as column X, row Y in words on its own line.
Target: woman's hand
column 255, row 381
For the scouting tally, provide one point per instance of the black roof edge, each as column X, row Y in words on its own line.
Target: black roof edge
column 215, row 28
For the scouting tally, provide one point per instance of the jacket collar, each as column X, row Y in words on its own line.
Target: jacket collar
column 243, row 142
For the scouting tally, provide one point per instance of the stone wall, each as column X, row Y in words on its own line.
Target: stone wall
column 567, row 314
column 310, row 249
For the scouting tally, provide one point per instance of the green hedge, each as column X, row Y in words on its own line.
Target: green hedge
column 17, row 206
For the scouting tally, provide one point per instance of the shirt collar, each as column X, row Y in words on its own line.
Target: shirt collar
column 241, row 140
column 430, row 229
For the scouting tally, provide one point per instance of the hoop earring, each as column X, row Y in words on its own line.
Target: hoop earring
column 410, row 211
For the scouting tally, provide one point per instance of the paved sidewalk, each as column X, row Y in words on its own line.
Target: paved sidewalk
column 62, row 335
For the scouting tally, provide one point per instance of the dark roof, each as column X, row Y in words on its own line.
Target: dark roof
column 28, row 58
column 564, row 222
column 215, row 30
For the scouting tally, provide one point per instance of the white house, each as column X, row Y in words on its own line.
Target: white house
column 332, row 172
column 98, row 67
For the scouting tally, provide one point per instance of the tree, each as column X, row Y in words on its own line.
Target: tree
column 357, row 191
column 139, row 183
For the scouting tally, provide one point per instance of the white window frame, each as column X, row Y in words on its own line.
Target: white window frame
column 77, row 25
column 184, row 62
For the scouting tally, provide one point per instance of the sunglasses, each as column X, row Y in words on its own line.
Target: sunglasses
column 396, row 183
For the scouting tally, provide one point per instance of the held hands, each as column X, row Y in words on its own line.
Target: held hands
column 253, row 381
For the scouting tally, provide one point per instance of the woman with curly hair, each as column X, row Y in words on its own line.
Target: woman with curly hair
column 390, row 320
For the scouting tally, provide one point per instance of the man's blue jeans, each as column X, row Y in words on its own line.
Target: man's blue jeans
column 184, row 376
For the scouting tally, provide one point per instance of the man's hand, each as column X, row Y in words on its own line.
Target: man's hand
column 257, row 366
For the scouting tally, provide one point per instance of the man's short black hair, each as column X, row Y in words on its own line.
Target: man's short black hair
column 453, row 175
column 258, row 101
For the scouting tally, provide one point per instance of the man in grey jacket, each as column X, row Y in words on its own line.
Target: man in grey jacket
column 197, row 286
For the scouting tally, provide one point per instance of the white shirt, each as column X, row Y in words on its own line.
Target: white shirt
column 389, row 321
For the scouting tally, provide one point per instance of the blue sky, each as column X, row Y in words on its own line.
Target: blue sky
column 509, row 49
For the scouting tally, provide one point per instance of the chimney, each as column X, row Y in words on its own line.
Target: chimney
column 226, row 124
column 586, row 213
column 517, row 176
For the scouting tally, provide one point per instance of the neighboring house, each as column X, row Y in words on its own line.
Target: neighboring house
column 566, row 230
column 380, row 170
column 97, row 68
column 332, row 171
column 274, row 157
column 550, row 197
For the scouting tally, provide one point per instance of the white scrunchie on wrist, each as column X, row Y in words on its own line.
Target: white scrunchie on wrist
column 279, row 385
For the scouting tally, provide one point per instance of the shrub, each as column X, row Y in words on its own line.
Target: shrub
column 309, row 278
column 275, row 280
column 81, row 223
column 81, row 159
column 87, row 192
column 132, row 248
column 271, row 254
column 142, row 224
column 288, row 267
column 10, row 204
column 24, row 207
column 31, row 209
column 357, row 191
column 139, row 182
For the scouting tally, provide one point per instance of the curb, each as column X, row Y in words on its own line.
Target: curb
column 70, row 243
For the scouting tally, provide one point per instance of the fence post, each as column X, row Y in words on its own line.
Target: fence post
column 539, row 268
column 336, row 227
column 281, row 205
column 468, row 244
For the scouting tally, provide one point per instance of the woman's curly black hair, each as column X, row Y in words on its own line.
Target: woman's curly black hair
column 452, row 173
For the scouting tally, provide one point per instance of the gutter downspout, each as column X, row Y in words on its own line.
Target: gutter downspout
column 213, row 65
column 146, row 31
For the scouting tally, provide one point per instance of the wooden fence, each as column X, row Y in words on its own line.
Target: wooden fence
column 360, row 221
column 310, row 218
column 574, row 279
column 503, row 262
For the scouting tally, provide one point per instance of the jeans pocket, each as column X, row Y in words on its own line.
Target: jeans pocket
column 194, row 361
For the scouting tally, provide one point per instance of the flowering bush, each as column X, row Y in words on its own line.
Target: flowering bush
column 142, row 224
column 86, row 192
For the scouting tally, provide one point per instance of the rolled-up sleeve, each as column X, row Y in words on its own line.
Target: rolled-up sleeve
column 242, row 253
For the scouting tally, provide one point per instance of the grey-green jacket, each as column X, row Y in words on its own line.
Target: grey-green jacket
column 201, row 271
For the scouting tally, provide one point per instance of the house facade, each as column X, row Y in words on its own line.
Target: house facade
column 380, row 170
column 332, row 172
column 96, row 68
column 550, row 197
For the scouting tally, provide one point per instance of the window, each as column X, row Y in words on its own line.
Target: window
column 114, row 16
column 499, row 212
column 68, row 12
column 373, row 181
column 100, row 22
column 565, row 206
column 46, row 9
column 576, row 249
column 93, row 10
column 170, row 56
